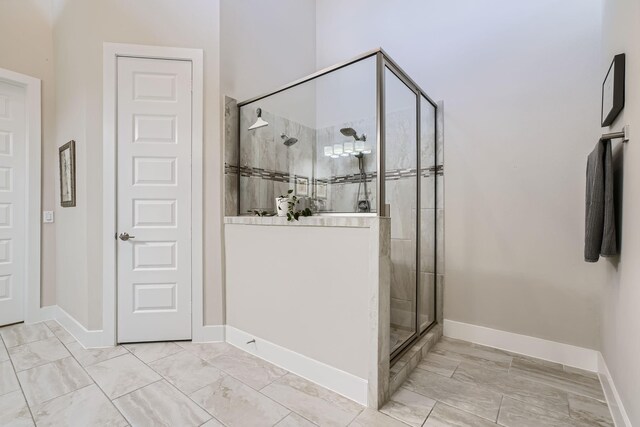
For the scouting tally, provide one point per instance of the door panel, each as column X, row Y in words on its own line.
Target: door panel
column 154, row 199
column 12, row 202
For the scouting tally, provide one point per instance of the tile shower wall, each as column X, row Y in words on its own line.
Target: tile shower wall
column 342, row 174
column 230, row 156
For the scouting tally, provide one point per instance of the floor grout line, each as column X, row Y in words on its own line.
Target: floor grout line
column 24, row 396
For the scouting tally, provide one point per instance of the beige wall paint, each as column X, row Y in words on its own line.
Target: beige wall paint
column 265, row 44
column 26, row 46
column 310, row 298
column 520, row 81
column 621, row 327
column 80, row 31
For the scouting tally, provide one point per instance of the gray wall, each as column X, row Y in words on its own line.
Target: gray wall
column 621, row 326
column 521, row 87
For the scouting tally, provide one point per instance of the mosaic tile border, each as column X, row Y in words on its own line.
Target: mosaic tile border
column 279, row 176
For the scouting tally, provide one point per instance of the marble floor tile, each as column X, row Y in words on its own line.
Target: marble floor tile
column 237, row 404
column 22, row 334
column 567, row 381
column 213, row 423
column 60, row 332
column 91, row 356
column 52, row 380
column 589, row 410
column 121, row 375
column 249, row 369
column 408, row 407
column 295, row 420
column 87, row 406
column 8, row 379
column 160, row 404
column 464, row 351
column 186, row 371
column 588, row 374
column 513, row 386
column 447, row 416
column 468, row 397
column 315, row 403
column 371, row 417
column 206, row 351
column 438, row 364
column 27, row 356
column 3, row 352
column 514, row 413
column 152, row 351
column 14, row 411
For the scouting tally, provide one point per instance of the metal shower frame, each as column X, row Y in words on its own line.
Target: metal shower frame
column 383, row 61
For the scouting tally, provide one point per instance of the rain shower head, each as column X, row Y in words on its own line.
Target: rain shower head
column 259, row 122
column 352, row 132
column 288, row 141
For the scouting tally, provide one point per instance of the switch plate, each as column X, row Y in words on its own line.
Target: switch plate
column 47, row 216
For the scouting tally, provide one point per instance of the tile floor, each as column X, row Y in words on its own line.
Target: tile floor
column 463, row 384
column 48, row 378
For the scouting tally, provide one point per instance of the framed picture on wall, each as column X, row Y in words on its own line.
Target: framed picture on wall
column 302, row 186
column 613, row 91
column 321, row 190
column 67, row 159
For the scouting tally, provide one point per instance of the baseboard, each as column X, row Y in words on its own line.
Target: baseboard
column 334, row 379
column 566, row 354
column 87, row 338
column 619, row 414
column 208, row 333
column 43, row 314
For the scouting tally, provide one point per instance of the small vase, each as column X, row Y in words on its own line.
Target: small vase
column 282, row 206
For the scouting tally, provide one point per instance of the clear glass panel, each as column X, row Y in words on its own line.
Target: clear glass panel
column 426, row 286
column 401, row 188
column 319, row 142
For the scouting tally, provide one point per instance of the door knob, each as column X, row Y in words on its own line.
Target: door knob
column 125, row 236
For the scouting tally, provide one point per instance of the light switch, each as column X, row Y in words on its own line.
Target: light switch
column 47, row 216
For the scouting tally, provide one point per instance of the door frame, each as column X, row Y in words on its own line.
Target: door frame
column 31, row 297
column 111, row 52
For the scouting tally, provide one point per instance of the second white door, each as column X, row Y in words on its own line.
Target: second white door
column 154, row 199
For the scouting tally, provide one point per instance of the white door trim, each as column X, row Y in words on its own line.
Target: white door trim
column 32, row 86
column 111, row 52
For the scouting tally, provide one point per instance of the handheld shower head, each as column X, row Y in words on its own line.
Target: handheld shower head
column 288, row 141
column 352, row 132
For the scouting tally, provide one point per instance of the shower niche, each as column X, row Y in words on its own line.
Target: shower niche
column 356, row 139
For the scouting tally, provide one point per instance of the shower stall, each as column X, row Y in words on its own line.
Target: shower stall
column 355, row 139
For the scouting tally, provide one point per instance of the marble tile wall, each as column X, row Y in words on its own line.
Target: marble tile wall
column 230, row 156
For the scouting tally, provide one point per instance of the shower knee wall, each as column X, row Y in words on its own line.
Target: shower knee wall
column 315, row 296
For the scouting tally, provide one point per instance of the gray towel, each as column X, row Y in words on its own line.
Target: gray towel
column 600, row 224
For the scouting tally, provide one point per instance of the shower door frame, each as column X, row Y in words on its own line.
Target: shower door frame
column 383, row 61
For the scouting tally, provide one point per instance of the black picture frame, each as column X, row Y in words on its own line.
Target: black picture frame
column 613, row 91
column 67, row 163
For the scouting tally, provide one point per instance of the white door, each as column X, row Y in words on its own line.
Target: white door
column 12, row 202
column 154, row 199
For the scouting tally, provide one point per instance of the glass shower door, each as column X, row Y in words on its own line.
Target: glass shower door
column 401, row 196
column 427, row 278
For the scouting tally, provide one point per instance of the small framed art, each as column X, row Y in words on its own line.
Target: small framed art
column 302, row 186
column 613, row 91
column 67, row 159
